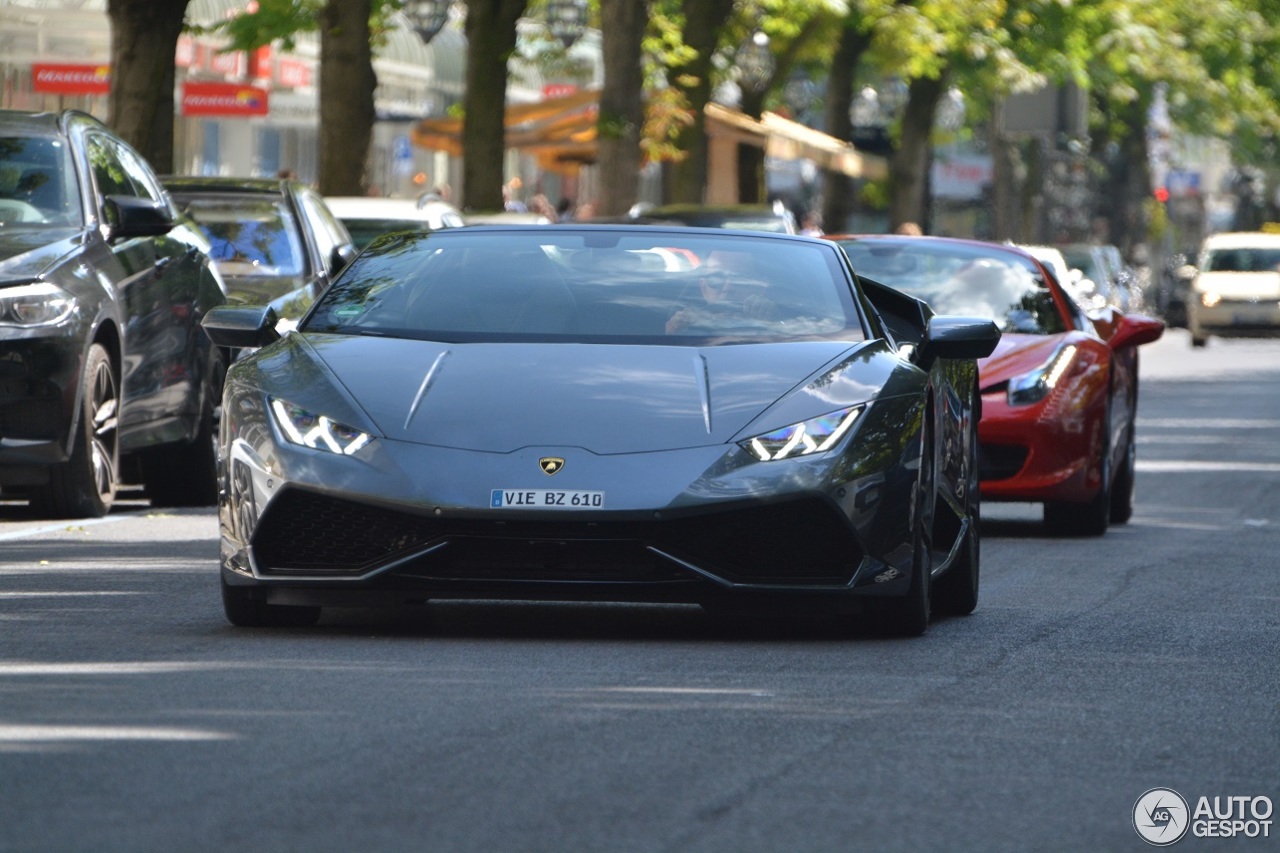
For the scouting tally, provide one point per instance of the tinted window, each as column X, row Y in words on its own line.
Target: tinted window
column 249, row 235
column 642, row 285
column 1243, row 260
column 37, row 182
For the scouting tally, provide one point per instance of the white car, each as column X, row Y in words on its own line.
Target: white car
column 1082, row 290
column 1236, row 288
column 367, row 218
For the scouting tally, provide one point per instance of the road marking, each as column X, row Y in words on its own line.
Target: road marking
column 1209, row 423
column 69, row 525
column 28, row 734
column 1189, row 466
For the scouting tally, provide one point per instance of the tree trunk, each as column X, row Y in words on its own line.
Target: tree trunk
column 838, row 201
column 347, row 82
column 144, row 38
column 491, row 38
column 909, row 165
column 686, row 181
column 621, row 105
column 1133, row 185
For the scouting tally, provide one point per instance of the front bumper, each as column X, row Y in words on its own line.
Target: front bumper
column 1234, row 318
column 39, row 377
column 299, row 524
column 1040, row 453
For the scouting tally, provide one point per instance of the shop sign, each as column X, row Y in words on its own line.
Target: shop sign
column 203, row 98
column 71, row 79
column 292, row 73
column 185, row 55
column 557, row 90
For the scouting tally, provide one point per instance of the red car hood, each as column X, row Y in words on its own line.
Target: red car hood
column 1014, row 355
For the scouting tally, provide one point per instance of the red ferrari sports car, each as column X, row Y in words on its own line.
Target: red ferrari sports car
column 1059, row 394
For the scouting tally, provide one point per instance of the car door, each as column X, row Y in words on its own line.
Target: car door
column 157, row 293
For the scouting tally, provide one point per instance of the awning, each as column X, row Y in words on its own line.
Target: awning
column 563, row 131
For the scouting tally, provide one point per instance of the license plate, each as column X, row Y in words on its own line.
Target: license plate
column 545, row 499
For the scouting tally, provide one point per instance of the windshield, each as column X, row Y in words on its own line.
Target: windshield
column 963, row 279
column 249, row 236
column 1243, row 259
column 37, row 183
column 625, row 284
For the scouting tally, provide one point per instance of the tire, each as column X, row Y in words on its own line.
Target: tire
column 956, row 592
column 1091, row 518
column 1122, row 489
column 245, row 607
column 186, row 474
column 85, row 485
column 909, row 615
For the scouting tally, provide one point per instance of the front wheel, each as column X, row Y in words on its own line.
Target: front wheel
column 1122, row 490
column 909, row 615
column 85, row 485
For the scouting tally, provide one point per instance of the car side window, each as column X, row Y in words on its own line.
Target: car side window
column 329, row 233
column 109, row 174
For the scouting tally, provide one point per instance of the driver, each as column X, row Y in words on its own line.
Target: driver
column 726, row 293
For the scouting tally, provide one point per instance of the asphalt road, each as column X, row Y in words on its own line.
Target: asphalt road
column 133, row 718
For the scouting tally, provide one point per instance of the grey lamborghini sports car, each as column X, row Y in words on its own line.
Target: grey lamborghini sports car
column 620, row 413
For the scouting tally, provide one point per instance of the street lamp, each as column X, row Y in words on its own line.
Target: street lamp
column 871, row 113
column 567, row 20
column 427, row 17
column 755, row 63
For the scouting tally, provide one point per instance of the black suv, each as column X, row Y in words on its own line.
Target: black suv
column 103, row 364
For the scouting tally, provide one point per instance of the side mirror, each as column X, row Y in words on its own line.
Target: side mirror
column 1186, row 272
column 130, row 216
column 1134, row 330
column 340, row 257
column 241, row 328
column 958, row 337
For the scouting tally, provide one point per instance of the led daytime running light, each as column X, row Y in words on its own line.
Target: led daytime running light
column 816, row 435
column 317, row 431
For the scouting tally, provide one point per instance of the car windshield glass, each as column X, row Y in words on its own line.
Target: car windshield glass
column 37, row 183
column 639, row 285
column 249, row 236
column 956, row 278
column 363, row 231
column 1243, row 260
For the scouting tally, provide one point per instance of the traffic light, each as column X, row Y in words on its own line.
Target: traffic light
column 1162, row 194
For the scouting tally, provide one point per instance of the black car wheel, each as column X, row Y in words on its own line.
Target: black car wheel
column 1122, row 490
column 246, row 608
column 908, row 616
column 187, row 474
column 85, row 485
column 956, row 592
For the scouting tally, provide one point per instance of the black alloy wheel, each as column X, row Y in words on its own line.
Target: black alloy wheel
column 85, row 485
column 956, row 592
column 909, row 615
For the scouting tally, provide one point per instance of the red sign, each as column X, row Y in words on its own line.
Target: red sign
column 292, row 73
column 185, row 55
column 202, row 98
column 557, row 90
column 71, row 79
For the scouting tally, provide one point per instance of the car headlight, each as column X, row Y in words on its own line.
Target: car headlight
column 1209, row 299
column 37, row 304
column 318, row 432
column 1035, row 386
column 812, row 436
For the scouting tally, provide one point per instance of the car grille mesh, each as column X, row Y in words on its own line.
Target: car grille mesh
column 1000, row 461
column 803, row 541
